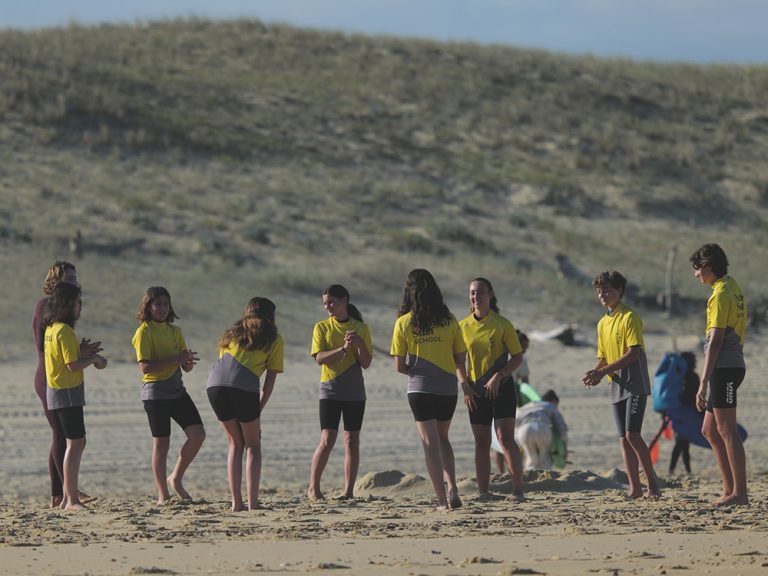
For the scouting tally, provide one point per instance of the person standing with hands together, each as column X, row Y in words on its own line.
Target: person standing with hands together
column 162, row 354
column 621, row 357
column 342, row 347
column 65, row 361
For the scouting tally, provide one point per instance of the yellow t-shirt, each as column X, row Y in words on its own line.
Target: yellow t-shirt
column 432, row 367
column 727, row 309
column 489, row 341
column 617, row 332
column 343, row 379
column 61, row 348
column 155, row 341
column 238, row 367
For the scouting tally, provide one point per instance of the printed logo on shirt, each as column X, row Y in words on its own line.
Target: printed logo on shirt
column 426, row 337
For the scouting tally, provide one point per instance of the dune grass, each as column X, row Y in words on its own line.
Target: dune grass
column 233, row 158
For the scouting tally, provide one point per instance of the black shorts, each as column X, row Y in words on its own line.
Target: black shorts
column 182, row 410
column 629, row 414
column 234, row 403
column 331, row 412
column 503, row 406
column 432, row 406
column 722, row 387
column 72, row 422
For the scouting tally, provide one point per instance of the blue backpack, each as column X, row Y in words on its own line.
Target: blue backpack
column 668, row 382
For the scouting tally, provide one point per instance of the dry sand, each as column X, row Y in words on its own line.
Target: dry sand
column 575, row 521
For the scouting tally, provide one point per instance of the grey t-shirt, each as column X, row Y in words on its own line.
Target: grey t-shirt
column 169, row 389
column 632, row 380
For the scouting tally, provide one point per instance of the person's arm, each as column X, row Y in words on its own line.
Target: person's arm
column 83, row 363
column 328, row 356
column 493, row 386
column 590, row 378
column 716, row 337
column 269, row 385
column 460, row 358
column 359, row 348
column 630, row 356
column 180, row 359
column 401, row 365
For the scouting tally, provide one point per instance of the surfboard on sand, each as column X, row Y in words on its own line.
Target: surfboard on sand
column 687, row 421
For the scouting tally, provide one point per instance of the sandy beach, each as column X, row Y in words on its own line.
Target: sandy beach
column 573, row 521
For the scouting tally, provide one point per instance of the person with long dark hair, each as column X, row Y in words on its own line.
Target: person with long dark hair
column 724, row 370
column 65, row 393
column 428, row 347
column 60, row 271
column 246, row 351
column 342, row 347
column 494, row 352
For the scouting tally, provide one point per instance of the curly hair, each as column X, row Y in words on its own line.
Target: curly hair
column 55, row 275
column 256, row 330
column 423, row 299
column 60, row 305
column 144, row 314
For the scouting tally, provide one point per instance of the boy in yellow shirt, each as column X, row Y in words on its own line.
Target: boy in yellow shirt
column 621, row 357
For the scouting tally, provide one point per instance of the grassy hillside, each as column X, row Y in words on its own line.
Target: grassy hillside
column 228, row 159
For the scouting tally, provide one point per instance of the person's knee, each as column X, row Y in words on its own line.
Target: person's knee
column 352, row 440
column 327, row 440
column 162, row 445
column 709, row 430
column 195, row 433
column 726, row 431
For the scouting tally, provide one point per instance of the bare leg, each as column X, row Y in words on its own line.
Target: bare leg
column 449, row 464
column 430, row 441
column 160, row 447
column 644, row 458
column 734, row 448
column 319, row 461
column 709, row 430
column 72, row 458
column 482, row 456
column 252, row 438
column 631, row 467
column 505, row 432
column 195, row 438
column 351, row 461
column 498, row 457
column 235, row 462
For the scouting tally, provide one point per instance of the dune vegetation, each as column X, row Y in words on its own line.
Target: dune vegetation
column 230, row 159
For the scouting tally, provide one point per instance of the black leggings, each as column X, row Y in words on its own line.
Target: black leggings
column 681, row 447
column 56, row 454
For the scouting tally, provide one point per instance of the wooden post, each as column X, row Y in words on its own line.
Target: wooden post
column 668, row 304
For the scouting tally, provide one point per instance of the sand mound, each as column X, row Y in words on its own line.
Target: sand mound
column 391, row 482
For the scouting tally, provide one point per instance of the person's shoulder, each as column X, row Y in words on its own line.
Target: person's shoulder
column 503, row 320
column 628, row 313
column 142, row 328
column 467, row 320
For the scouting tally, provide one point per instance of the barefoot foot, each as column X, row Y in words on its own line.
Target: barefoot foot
column 178, row 487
